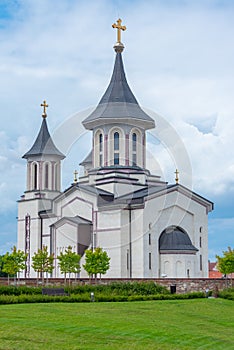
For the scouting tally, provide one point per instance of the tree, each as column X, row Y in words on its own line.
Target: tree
column 14, row 262
column 226, row 263
column 69, row 262
column 2, row 274
column 43, row 262
column 96, row 262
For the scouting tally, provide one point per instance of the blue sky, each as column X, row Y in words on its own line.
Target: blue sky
column 179, row 64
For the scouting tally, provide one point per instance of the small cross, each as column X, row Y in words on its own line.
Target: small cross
column 119, row 27
column 44, row 105
column 75, row 176
column 177, row 176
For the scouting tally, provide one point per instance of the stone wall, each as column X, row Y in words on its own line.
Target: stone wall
column 183, row 285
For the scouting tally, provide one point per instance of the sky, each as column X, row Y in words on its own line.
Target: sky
column 179, row 63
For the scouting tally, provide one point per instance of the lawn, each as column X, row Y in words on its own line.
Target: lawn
column 172, row 324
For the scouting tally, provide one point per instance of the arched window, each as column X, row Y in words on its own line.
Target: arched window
column 116, row 141
column 46, row 176
column 35, row 174
column 134, row 140
column 100, row 142
column 56, row 177
column 116, row 148
column 134, row 149
column 100, row 149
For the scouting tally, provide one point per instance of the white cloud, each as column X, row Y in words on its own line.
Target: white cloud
column 178, row 60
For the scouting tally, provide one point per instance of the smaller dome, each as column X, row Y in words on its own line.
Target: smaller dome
column 173, row 238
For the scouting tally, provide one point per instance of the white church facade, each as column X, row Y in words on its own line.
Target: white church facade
column 148, row 227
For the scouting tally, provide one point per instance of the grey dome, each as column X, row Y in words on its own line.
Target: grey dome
column 43, row 144
column 173, row 238
column 118, row 104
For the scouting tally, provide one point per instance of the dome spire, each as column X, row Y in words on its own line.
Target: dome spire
column 119, row 47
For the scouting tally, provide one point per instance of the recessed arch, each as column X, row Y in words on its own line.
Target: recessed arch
column 116, row 146
column 98, row 148
column 135, row 148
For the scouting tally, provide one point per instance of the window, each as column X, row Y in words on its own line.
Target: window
column 116, row 158
column 127, row 259
column 100, row 142
column 116, row 141
column 100, row 159
column 134, row 149
column 149, row 261
column 35, row 171
column 200, row 262
column 56, row 177
column 149, row 238
column 200, row 242
column 134, row 140
column 100, row 150
column 47, row 176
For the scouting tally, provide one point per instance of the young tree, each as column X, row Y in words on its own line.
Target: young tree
column 14, row 262
column 43, row 262
column 2, row 274
column 69, row 262
column 226, row 262
column 96, row 262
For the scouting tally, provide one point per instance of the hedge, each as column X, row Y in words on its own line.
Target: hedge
column 85, row 297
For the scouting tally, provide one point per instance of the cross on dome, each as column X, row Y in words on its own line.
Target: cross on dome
column 119, row 27
column 44, row 105
column 119, row 46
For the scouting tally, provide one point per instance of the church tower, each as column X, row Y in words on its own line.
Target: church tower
column 43, row 164
column 118, row 123
column 42, row 186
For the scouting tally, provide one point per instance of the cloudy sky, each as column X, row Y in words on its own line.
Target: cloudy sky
column 179, row 61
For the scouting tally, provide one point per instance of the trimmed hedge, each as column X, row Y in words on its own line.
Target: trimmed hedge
column 85, row 297
column 142, row 288
column 227, row 294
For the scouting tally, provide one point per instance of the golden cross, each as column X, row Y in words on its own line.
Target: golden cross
column 119, row 28
column 75, row 176
column 44, row 105
column 177, row 176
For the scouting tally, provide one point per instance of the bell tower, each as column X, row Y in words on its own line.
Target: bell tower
column 43, row 164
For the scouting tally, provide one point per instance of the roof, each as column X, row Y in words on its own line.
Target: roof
column 43, row 144
column 118, row 103
column 77, row 220
column 174, row 238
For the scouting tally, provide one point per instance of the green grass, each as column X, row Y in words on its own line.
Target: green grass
column 171, row 324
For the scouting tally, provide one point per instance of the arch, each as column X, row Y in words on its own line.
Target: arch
column 56, row 174
column 46, row 175
column 166, row 268
column 136, row 147
column 98, row 148
column 116, row 147
column 35, row 173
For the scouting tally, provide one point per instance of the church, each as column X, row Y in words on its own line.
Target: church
column 148, row 227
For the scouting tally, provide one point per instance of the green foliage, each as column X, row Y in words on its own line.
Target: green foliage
column 2, row 274
column 99, row 297
column 227, row 294
column 17, row 290
column 226, row 262
column 42, row 261
column 96, row 262
column 14, row 262
column 69, row 262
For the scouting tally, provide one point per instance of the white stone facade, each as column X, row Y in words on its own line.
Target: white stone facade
column 149, row 229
